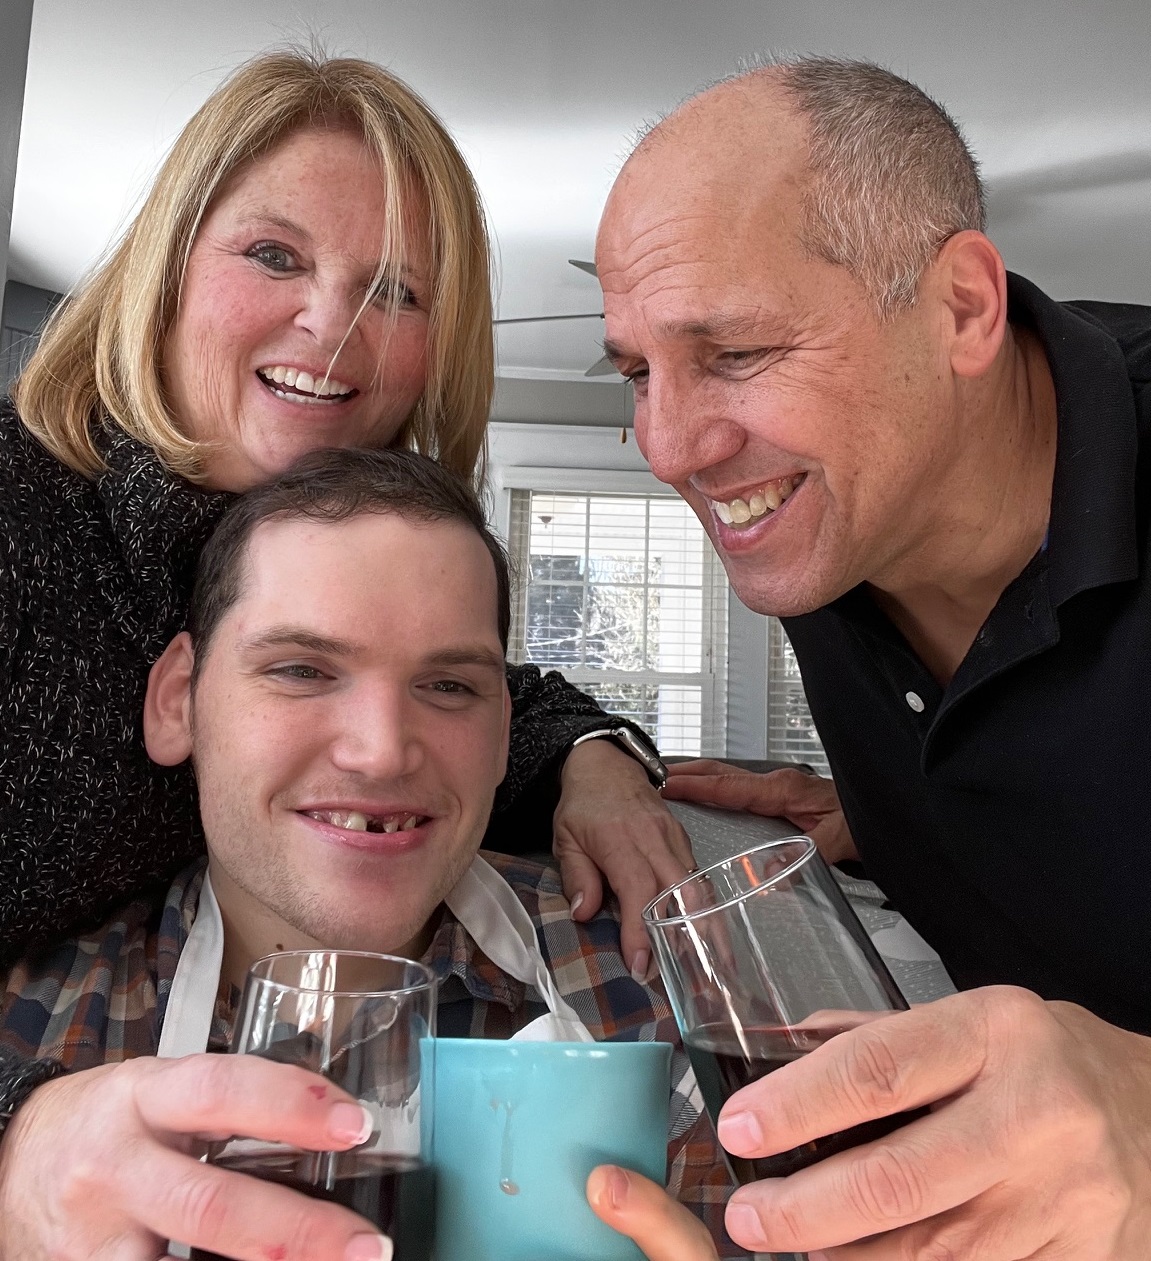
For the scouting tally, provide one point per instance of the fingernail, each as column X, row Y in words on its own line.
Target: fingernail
column 577, row 902
column 368, row 1248
column 639, row 965
column 350, row 1123
column 613, row 1186
column 740, row 1133
column 742, row 1222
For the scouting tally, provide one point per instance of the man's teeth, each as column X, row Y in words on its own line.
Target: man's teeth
column 357, row 821
column 303, row 383
column 741, row 511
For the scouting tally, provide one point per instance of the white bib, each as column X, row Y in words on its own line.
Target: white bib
column 192, row 1000
column 486, row 905
column 482, row 901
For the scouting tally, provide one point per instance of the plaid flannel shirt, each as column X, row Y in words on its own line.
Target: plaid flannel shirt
column 101, row 998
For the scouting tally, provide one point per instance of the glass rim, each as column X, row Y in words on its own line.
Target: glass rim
column 430, row 980
column 659, row 921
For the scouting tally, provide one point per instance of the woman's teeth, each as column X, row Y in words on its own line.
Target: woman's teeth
column 738, row 512
column 357, row 821
column 303, row 387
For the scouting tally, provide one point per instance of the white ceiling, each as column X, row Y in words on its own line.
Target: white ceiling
column 544, row 94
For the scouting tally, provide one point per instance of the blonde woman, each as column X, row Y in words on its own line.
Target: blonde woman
column 309, row 270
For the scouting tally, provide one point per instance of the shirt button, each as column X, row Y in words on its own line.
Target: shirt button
column 915, row 701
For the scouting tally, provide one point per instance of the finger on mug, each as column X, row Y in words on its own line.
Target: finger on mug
column 663, row 1229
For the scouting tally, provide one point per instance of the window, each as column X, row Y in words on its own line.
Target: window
column 791, row 734
column 624, row 595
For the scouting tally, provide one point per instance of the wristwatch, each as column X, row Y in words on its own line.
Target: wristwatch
column 631, row 743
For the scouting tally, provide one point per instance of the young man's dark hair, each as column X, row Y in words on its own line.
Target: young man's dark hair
column 337, row 486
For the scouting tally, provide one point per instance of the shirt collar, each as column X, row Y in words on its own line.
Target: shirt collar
column 459, row 963
column 1091, row 537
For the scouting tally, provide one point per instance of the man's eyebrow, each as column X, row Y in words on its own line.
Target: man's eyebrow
column 486, row 658
column 298, row 637
column 724, row 326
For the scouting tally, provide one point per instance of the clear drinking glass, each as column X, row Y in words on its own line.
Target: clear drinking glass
column 357, row 1019
column 764, row 960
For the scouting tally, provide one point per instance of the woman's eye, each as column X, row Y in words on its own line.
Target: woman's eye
column 273, row 257
column 390, row 292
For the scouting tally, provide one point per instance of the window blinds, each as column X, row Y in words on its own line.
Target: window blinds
column 791, row 735
column 624, row 595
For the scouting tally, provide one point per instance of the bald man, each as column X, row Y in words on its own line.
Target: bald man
column 936, row 476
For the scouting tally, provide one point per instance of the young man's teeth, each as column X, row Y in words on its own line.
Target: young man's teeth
column 357, row 821
column 741, row 511
column 349, row 820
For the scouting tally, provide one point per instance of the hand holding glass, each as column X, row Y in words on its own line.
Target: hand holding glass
column 358, row 1019
column 764, row 961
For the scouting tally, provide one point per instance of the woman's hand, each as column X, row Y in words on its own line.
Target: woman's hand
column 636, row 1207
column 809, row 801
column 611, row 820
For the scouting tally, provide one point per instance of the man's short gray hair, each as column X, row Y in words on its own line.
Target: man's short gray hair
column 891, row 177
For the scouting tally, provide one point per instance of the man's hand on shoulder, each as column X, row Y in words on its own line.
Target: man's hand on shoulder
column 1038, row 1144
column 104, row 1163
column 809, row 801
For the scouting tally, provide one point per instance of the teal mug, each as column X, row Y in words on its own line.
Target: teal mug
column 519, row 1126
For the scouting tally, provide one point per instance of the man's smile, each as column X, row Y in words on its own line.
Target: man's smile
column 742, row 511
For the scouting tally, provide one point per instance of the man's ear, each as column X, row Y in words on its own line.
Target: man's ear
column 168, row 704
column 974, row 282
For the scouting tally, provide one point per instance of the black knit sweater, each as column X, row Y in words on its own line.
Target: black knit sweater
column 95, row 577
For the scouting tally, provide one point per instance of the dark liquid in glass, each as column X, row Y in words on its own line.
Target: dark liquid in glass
column 722, row 1067
column 397, row 1193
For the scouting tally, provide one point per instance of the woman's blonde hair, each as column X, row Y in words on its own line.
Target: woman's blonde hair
column 100, row 356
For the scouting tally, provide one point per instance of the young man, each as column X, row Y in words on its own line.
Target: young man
column 937, row 477
column 341, row 694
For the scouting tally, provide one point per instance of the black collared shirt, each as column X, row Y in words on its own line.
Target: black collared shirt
column 1008, row 815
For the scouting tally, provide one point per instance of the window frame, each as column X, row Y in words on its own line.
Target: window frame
column 712, row 679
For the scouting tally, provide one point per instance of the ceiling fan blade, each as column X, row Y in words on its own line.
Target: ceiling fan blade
column 584, row 265
column 602, row 368
column 541, row 319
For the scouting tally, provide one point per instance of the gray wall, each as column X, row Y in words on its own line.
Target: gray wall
column 15, row 29
column 24, row 311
